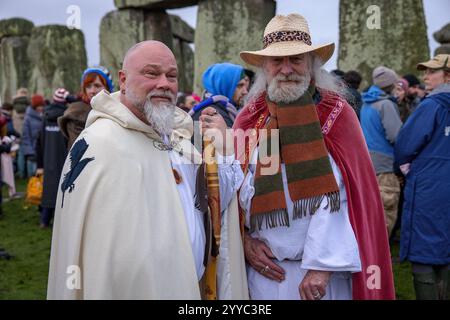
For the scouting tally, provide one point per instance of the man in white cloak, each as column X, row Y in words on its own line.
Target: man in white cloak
column 126, row 224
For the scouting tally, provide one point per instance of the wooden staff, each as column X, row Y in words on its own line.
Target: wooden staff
column 212, row 181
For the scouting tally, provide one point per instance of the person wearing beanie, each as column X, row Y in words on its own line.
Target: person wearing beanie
column 31, row 129
column 60, row 95
column 422, row 152
column 380, row 122
column 51, row 152
column 400, row 93
column 93, row 80
column 226, row 86
column 20, row 102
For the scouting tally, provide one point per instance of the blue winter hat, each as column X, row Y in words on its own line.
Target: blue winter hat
column 222, row 79
column 101, row 71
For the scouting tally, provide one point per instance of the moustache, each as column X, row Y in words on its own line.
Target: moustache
column 161, row 94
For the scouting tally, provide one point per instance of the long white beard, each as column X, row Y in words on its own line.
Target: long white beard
column 160, row 116
column 288, row 92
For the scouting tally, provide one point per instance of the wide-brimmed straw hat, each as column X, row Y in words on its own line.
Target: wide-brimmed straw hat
column 287, row 36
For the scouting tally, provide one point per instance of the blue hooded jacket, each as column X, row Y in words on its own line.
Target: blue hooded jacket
column 380, row 121
column 222, row 79
column 424, row 141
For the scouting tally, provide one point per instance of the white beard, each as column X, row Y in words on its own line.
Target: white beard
column 287, row 93
column 160, row 116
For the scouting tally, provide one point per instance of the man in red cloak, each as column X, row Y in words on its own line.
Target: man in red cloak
column 314, row 221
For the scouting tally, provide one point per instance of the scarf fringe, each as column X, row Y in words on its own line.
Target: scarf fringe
column 272, row 219
column 303, row 207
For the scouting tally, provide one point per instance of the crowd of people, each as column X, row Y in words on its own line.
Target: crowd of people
column 318, row 177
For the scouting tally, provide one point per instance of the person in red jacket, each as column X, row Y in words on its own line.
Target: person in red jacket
column 314, row 222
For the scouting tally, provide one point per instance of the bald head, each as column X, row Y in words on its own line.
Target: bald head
column 149, row 72
column 145, row 47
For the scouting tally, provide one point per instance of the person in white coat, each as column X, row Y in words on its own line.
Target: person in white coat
column 127, row 225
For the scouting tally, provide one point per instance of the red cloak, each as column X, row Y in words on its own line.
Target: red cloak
column 345, row 142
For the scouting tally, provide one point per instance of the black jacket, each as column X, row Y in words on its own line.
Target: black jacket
column 51, row 152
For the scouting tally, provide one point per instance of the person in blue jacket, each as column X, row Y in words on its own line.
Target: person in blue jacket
column 422, row 151
column 380, row 123
column 226, row 86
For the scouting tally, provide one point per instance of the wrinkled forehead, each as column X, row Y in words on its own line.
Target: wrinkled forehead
column 151, row 55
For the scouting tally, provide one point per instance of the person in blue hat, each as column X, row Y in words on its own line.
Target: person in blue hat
column 226, row 86
column 93, row 81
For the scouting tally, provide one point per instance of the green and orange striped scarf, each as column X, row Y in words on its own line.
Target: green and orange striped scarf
column 308, row 170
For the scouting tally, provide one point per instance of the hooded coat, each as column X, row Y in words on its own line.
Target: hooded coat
column 220, row 79
column 424, row 142
column 120, row 230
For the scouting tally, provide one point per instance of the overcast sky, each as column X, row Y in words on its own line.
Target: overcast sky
column 322, row 16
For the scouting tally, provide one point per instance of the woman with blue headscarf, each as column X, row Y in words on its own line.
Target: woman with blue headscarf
column 226, row 85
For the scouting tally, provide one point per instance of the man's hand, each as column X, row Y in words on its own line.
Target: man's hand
column 214, row 127
column 313, row 286
column 259, row 256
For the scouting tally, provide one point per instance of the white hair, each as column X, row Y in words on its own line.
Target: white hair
column 160, row 115
column 323, row 80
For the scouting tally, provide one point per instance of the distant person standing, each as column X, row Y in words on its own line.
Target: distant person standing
column 423, row 154
column 51, row 152
column 74, row 119
column 20, row 103
column 353, row 80
column 31, row 129
column 380, row 121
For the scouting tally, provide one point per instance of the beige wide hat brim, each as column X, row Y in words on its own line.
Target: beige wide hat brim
column 287, row 48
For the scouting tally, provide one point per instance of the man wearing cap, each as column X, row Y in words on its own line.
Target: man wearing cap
column 314, row 225
column 422, row 151
column 380, row 122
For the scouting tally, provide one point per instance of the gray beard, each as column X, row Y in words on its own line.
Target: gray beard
column 160, row 116
column 287, row 93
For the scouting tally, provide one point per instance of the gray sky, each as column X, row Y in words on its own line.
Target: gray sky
column 322, row 16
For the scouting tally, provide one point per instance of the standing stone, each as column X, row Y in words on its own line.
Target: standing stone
column 382, row 32
column 15, row 27
column 120, row 30
column 224, row 28
column 58, row 58
column 443, row 37
column 183, row 35
column 154, row 4
column 14, row 63
column 181, row 29
column 185, row 62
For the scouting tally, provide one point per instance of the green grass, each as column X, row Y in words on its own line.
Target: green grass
column 25, row 276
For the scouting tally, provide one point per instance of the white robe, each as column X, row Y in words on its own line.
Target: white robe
column 324, row 241
column 127, row 230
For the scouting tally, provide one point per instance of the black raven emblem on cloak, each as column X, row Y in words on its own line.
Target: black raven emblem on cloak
column 76, row 166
